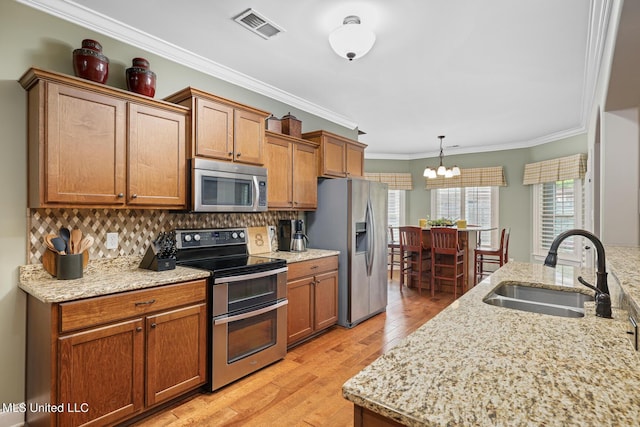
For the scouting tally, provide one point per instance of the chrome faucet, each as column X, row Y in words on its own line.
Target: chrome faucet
column 603, row 299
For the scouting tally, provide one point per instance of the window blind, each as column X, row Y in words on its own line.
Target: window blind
column 475, row 177
column 395, row 180
column 561, row 169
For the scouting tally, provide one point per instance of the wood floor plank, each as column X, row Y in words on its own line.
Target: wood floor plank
column 305, row 388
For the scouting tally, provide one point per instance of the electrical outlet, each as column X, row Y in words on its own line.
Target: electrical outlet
column 112, row 241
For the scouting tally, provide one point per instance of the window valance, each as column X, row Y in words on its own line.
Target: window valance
column 475, row 177
column 395, row 180
column 570, row 167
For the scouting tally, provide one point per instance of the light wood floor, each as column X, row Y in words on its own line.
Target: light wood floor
column 304, row 389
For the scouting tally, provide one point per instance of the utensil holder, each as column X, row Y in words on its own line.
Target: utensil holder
column 150, row 261
column 69, row 266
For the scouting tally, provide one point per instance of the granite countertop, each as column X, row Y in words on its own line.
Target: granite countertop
column 101, row 277
column 307, row 255
column 477, row 364
column 121, row 274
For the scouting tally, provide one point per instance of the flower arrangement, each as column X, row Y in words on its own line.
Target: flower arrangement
column 441, row 222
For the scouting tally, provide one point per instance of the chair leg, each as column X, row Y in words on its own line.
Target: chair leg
column 391, row 265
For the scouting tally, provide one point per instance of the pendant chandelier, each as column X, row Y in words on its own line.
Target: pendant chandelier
column 441, row 170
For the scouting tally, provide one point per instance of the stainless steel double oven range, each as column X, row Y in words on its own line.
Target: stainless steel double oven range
column 248, row 298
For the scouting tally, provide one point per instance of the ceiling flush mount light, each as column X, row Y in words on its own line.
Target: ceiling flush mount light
column 351, row 40
column 441, row 170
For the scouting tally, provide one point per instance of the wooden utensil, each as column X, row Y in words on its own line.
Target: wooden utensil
column 85, row 244
column 49, row 261
column 75, row 240
column 49, row 243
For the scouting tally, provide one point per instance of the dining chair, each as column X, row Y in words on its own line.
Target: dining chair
column 393, row 247
column 495, row 257
column 414, row 257
column 447, row 258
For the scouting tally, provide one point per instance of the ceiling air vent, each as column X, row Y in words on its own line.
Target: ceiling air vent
column 258, row 24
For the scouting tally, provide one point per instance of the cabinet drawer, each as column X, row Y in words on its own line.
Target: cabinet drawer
column 311, row 267
column 95, row 311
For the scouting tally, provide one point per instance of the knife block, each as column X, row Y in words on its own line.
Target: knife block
column 150, row 261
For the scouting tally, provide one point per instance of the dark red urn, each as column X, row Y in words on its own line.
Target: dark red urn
column 140, row 79
column 89, row 62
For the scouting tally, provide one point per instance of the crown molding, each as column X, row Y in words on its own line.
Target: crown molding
column 479, row 149
column 87, row 18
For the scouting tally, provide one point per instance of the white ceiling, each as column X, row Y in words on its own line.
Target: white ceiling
column 489, row 74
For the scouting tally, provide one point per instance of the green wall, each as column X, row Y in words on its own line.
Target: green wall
column 515, row 199
column 30, row 38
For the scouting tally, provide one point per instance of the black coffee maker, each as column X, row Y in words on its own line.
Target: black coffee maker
column 291, row 235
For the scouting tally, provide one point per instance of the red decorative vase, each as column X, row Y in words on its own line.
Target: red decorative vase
column 89, row 62
column 140, row 79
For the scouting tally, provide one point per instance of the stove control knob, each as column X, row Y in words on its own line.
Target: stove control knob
column 196, row 237
column 187, row 237
column 234, row 235
column 242, row 234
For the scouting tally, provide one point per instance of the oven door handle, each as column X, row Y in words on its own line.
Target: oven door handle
column 250, row 314
column 250, row 276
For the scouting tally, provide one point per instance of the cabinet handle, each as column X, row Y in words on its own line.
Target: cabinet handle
column 238, row 155
column 134, row 196
column 151, row 301
column 313, row 267
column 139, row 329
column 153, row 325
column 120, row 195
column 230, row 153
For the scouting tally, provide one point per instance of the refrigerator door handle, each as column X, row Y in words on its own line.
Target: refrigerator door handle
column 370, row 221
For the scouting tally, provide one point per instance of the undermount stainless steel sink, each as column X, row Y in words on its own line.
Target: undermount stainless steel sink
column 523, row 296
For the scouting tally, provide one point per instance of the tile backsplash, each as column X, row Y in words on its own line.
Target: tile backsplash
column 135, row 228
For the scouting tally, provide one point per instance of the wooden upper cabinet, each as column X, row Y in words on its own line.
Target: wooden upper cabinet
column 249, row 137
column 340, row 157
column 292, row 164
column 77, row 146
column 355, row 159
column 91, row 145
column 223, row 129
column 157, row 159
column 213, row 129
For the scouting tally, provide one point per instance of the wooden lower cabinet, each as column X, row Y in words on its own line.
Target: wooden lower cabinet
column 363, row 417
column 103, row 374
column 312, row 291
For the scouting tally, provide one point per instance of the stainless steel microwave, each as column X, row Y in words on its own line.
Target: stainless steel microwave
column 227, row 187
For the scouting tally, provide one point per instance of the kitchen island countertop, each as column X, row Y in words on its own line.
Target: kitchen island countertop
column 477, row 364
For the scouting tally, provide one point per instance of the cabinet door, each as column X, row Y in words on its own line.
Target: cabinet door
column 326, row 300
column 249, row 137
column 157, row 160
column 176, row 352
column 214, row 130
column 102, row 368
column 278, row 160
column 299, row 309
column 305, row 177
column 333, row 158
column 84, row 148
column 355, row 160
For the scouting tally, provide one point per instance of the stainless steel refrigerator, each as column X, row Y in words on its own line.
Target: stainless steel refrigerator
column 352, row 218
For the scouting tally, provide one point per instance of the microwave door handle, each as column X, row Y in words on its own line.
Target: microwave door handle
column 256, row 193
column 255, row 313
